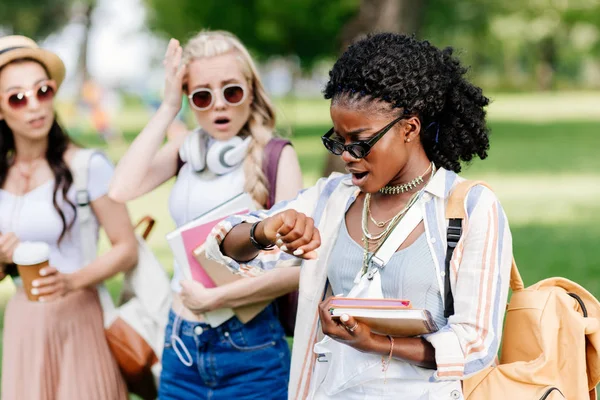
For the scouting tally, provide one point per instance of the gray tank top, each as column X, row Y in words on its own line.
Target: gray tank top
column 410, row 274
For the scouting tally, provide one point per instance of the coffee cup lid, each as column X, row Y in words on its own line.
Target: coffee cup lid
column 31, row 253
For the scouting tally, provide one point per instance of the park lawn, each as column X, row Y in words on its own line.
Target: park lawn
column 545, row 174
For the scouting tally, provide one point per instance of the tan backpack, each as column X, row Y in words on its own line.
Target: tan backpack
column 551, row 338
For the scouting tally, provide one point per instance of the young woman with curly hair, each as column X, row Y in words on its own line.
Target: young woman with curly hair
column 220, row 159
column 404, row 120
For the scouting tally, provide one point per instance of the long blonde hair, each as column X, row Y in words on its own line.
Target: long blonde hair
column 261, row 123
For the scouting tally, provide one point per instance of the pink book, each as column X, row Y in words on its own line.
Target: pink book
column 350, row 302
column 192, row 239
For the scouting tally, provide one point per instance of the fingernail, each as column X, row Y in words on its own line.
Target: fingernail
column 43, row 272
column 283, row 248
column 35, row 283
column 35, row 292
column 278, row 235
column 279, row 242
column 298, row 252
column 345, row 317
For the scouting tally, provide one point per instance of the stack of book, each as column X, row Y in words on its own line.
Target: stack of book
column 187, row 245
column 392, row 317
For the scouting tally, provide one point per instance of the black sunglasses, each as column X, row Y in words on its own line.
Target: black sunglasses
column 359, row 149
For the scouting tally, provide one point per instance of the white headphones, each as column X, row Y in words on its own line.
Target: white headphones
column 221, row 157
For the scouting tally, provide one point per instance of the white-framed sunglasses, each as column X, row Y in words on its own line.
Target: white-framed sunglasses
column 203, row 99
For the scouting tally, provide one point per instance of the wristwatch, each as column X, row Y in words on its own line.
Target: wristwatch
column 255, row 242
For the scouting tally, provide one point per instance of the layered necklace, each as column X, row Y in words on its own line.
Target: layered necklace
column 25, row 172
column 375, row 241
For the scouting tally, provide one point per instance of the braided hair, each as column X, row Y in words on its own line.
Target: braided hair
column 423, row 81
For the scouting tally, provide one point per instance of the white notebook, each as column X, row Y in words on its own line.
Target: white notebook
column 393, row 322
column 182, row 253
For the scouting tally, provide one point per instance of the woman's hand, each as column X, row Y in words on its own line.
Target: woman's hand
column 347, row 330
column 174, row 73
column 291, row 231
column 53, row 284
column 199, row 299
column 8, row 244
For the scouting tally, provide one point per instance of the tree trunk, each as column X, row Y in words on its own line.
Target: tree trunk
column 403, row 16
column 83, row 14
column 546, row 64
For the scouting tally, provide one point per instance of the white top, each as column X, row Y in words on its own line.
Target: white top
column 32, row 216
column 195, row 193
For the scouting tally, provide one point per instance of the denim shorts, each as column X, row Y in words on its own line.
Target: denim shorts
column 232, row 361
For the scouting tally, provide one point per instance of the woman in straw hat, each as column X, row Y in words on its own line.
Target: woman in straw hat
column 54, row 348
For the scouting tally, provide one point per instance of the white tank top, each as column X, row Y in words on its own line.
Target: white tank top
column 32, row 216
column 195, row 193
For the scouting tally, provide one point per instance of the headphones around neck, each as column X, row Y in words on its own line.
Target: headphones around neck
column 221, row 157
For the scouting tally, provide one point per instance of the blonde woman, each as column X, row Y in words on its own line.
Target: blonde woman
column 230, row 105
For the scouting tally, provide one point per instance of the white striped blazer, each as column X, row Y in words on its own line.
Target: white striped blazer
column 479, row 275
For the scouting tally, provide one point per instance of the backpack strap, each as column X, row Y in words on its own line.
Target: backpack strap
column 80, row 170
column 455, row 213
column 89, row 247
column 271, row 158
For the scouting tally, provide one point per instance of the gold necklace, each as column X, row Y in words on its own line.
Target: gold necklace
column 379, row 238
column 377, row 223
column 25, row 171
column 407, row 187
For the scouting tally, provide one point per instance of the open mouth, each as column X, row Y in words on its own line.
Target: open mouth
column 359, row 175
column 222, row 121
column 358, row 178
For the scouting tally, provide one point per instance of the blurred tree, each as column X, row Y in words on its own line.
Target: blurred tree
column 82, row 14
column 34, row 18
column 39, row 18
column 308, row 29
column 541, row 33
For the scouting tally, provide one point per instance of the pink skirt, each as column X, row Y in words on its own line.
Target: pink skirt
column 58, row 350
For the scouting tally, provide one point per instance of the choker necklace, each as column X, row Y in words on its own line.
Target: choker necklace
column 406, row 187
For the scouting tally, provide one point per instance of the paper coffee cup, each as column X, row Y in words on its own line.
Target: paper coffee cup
column 30, row 258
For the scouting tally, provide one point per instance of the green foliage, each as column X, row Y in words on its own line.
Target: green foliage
column 306, row 28
column 34, row 18
column 39, row 18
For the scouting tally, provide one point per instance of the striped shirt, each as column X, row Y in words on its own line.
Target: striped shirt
column 479, row 273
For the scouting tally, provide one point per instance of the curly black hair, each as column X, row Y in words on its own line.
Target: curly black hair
column 423, row 81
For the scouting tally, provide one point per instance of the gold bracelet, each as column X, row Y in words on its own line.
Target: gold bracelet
column 384, row 364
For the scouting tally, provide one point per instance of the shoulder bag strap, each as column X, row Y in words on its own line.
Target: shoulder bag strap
column 80, row 169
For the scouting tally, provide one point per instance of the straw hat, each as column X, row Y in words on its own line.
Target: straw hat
column 16, row 47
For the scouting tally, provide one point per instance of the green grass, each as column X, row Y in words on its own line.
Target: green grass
column 545, row 173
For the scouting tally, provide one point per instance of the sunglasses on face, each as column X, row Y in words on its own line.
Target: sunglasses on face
column 203, row 99
column 43, row 91
column 358, row 149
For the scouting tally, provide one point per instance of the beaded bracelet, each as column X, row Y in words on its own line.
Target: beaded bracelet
column 384, row 364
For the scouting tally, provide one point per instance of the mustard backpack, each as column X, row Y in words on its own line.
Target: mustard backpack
column 551, row 338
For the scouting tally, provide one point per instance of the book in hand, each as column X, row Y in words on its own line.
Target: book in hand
column 187, row 238
column 221, row 275
column 392, row 317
